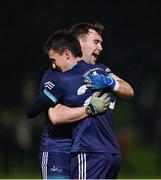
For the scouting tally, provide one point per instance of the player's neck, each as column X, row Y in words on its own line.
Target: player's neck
column 70, row 63
column 74, row 61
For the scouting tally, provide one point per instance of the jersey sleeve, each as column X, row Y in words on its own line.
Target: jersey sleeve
column 106, row 69
column 51, row 85
column 109, row 72
column 38, row 104
column 50, row 94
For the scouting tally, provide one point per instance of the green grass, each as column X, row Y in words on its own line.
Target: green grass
column 141, row 163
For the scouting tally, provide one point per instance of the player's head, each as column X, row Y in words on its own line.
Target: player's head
column 89, row 36
column 63, row 48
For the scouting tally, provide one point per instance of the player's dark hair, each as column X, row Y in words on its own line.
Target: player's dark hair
column 61, row 40
column 81, row 29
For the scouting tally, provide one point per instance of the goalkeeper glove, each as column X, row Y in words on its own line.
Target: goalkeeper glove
column 98, row 104
column 101, row 81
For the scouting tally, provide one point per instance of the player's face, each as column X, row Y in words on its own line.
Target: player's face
column 91, row 46
column 58, row 60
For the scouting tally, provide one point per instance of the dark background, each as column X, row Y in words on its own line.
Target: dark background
column 132, row 50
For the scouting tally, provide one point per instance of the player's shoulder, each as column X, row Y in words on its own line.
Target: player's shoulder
column 50, row 72
column 78, row 67
column 104, row 67
column 85, row 66
column 50, row 76
column 83, row 63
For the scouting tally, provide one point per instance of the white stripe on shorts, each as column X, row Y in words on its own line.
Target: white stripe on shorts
column 82, row 166
column 44, row 163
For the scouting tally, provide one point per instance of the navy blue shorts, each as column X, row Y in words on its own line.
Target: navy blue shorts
column 55, row 165
column 95, row 165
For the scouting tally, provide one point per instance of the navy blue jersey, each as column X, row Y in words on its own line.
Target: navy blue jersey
column 56, row 138
column 94, row 133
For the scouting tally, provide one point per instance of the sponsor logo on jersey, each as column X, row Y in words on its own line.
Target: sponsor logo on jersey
column 56, row 169
column 95, row 73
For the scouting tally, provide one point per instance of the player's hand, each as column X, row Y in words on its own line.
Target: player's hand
column 99, row 81
column 99, row 104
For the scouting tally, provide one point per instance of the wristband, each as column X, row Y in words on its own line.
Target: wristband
column 91, row 109
column 117, row 85
column 87, row 110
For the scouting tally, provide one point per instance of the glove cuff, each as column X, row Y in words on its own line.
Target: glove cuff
column 87, row 110
column 116, row 86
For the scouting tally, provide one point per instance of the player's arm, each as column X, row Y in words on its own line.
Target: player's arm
column 41, row 102
column 112, row 82
column 122, row 88
column 61, row 114
column 50, row 94
column 48, row 97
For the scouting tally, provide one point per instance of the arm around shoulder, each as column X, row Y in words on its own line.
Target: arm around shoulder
column 124, row 89
column 61, row 114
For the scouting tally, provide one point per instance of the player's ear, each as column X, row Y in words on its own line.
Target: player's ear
column 67, row 54
column 81, row 42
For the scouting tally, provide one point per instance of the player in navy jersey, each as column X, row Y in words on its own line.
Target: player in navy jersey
column 106, row 149
column 95, row 152
column 56, row 140
column 91, row 55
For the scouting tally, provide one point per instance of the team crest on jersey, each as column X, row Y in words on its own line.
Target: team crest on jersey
column 49, row 85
